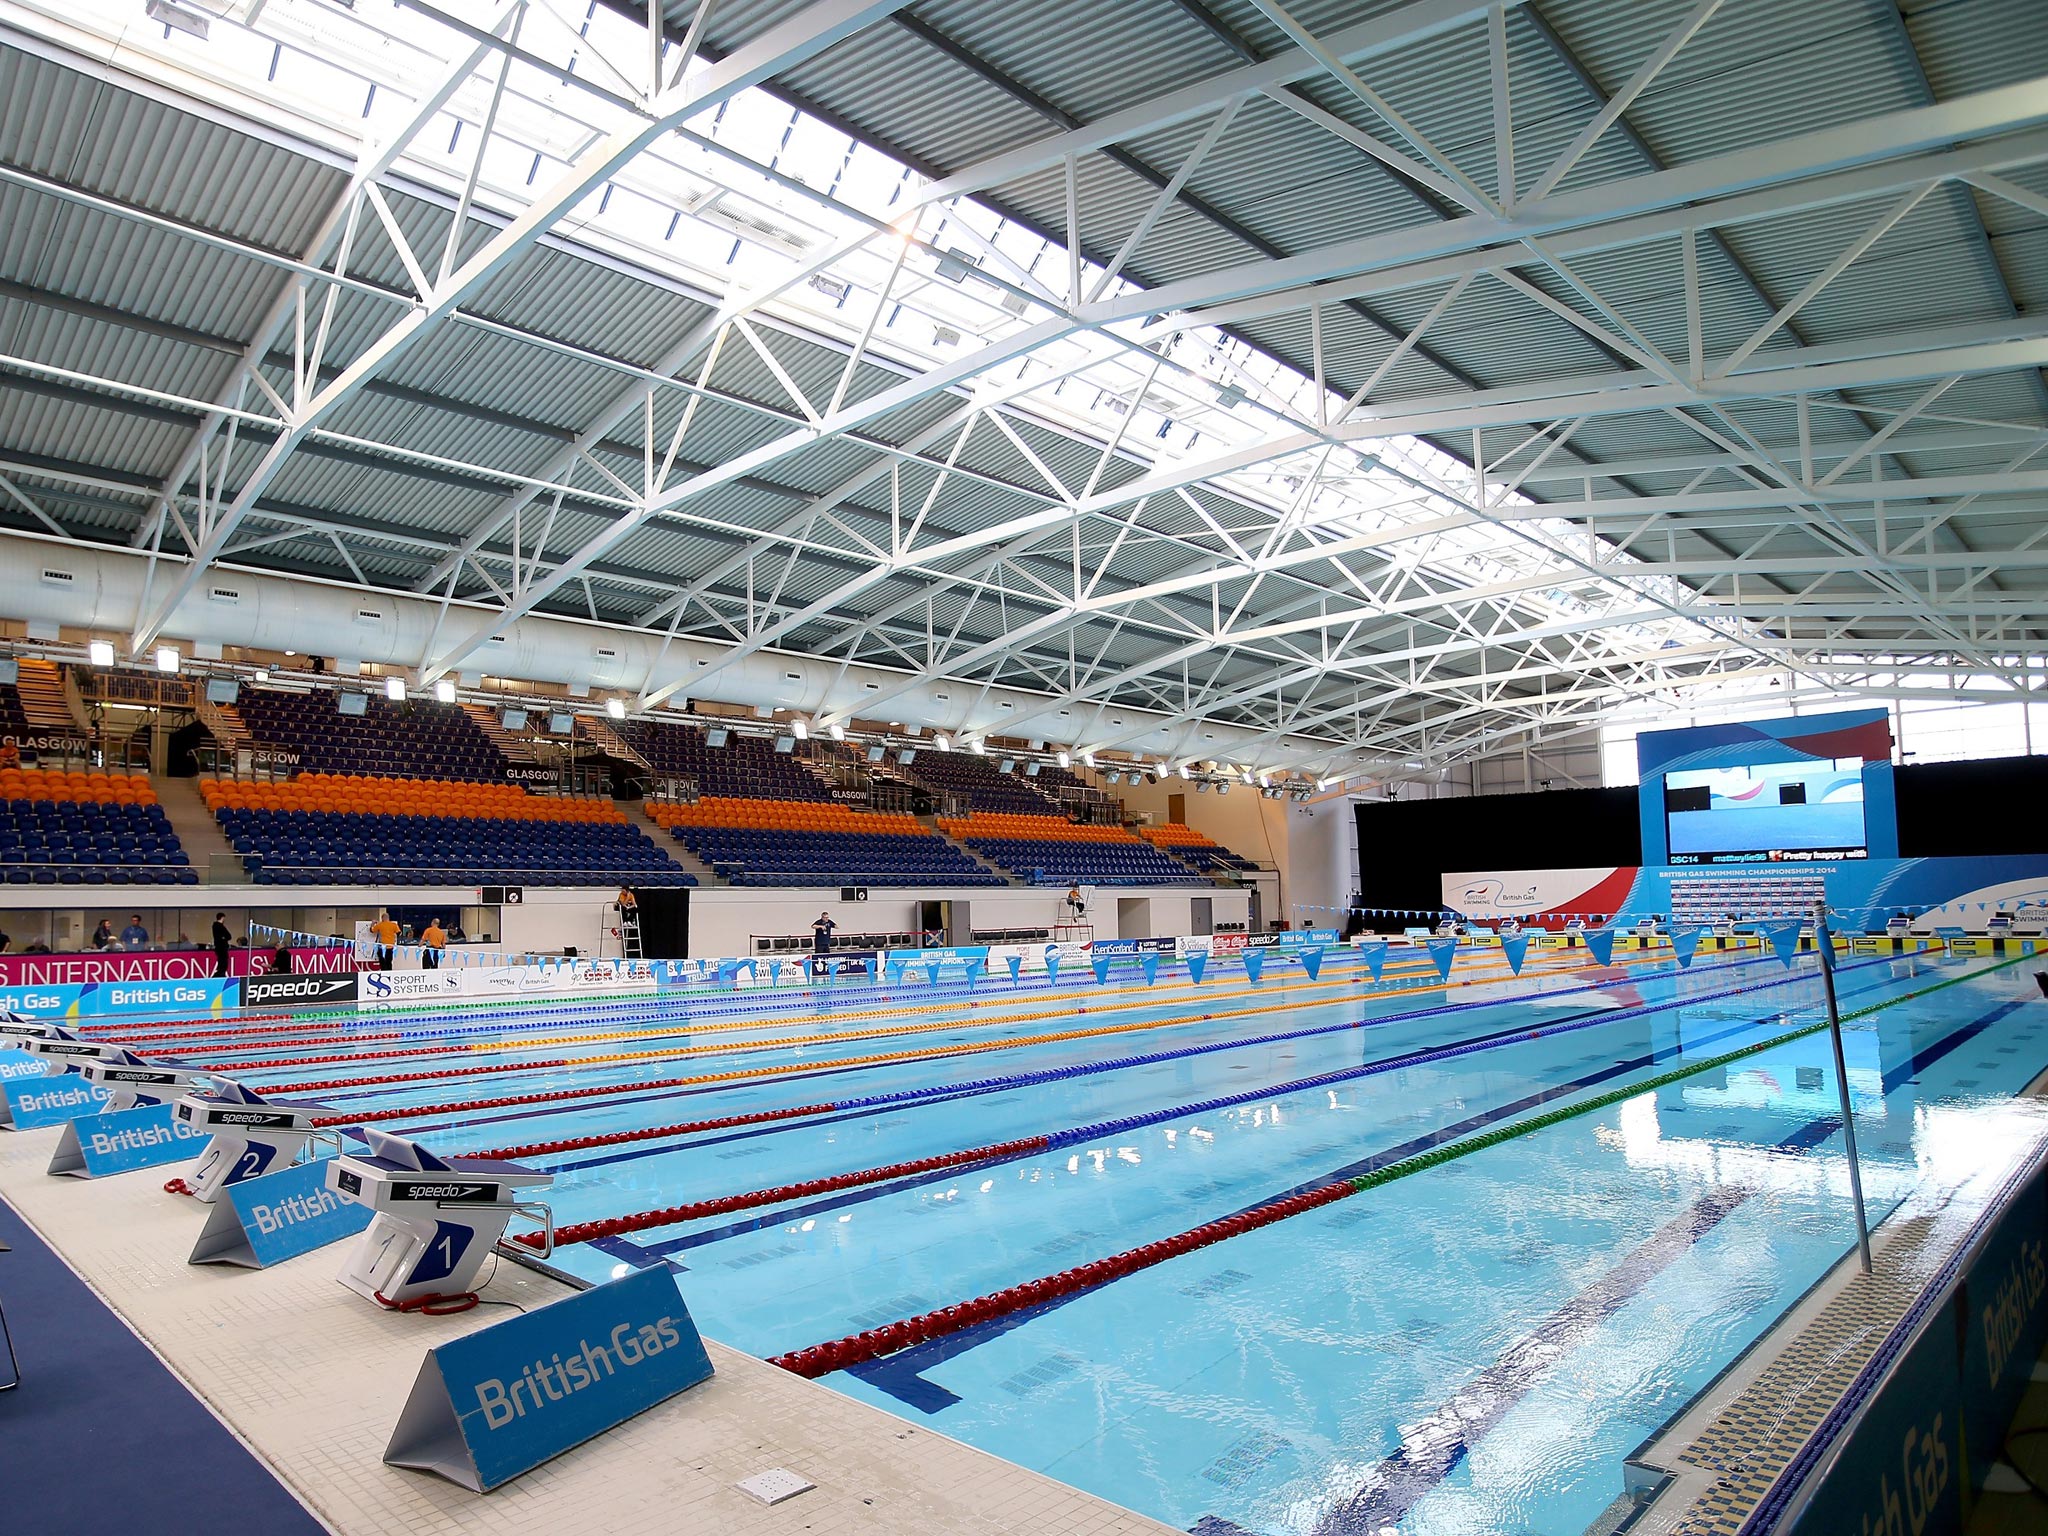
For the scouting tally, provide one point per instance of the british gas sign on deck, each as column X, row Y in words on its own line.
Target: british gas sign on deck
column 504, row 1399
column 27, row 1102
column 95, row 1145
column 277, row 1216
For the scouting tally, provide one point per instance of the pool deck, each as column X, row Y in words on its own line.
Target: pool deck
column 311, row 1378
column 1713, row 1463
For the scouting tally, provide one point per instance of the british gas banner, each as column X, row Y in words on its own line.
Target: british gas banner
column 1293, row 938
column 100, row 999
column 502, row 1400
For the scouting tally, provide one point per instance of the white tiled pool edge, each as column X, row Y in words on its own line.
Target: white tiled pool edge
column 312, row 1379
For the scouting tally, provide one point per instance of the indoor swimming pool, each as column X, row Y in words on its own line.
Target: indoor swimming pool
column 1475, row 1345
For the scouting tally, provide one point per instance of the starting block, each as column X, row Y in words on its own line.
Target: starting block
column 14, row 1028
column 251, row 1136
column 68, row 1050
column 435, row 1221
column 132, row 1083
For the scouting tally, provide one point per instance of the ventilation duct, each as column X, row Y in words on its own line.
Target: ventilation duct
column 287, row 613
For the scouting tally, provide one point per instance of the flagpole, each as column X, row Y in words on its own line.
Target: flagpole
column 1825, row 942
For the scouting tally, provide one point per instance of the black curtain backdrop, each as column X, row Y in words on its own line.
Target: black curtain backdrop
column 1972, row 809
column 1404, row 846
column 664, row 921
column 1946, row 810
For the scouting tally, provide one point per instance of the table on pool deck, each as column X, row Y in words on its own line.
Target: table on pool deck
column 312, row 1378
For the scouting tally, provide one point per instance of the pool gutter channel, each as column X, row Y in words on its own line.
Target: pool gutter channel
column 1664, row 1488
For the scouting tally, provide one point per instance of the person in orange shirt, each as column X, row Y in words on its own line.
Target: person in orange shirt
column 385, row 931
column 433, row 940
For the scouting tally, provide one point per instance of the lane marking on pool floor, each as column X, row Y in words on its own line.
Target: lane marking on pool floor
column 927, row 1337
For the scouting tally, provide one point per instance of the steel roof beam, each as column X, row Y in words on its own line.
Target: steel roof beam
column 783, row 46
column 1860, row 160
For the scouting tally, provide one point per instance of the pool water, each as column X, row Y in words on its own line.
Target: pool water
column 1473, row 1347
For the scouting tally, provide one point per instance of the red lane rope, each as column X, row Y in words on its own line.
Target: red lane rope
column 640, row 1221
column 320, row 1061
column 421, row 1077
column 506, row 1101
column 649, row 1133
column 873, row 1343
column 283, row 1034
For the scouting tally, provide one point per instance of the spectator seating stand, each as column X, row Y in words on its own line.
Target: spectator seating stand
column 799, row 843
column 323, row 829
column 745, row 768
column 1200, row 852
column 1048, row 850
column 415, row 739
column 86, row 828
column 977, row 783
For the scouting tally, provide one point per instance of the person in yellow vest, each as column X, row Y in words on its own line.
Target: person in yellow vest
column 385, row 931
column 433, row 940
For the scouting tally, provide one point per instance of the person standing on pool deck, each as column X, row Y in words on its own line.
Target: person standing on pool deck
column 821, row 933
column 223, row 941
column 385, row 931
column 433, row 939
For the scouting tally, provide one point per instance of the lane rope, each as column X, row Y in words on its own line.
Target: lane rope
column 977, row 1086
column 871, row 1344
column 640, row 1221
column 744, row 1074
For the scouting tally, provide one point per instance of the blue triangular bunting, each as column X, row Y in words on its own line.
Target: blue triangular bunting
column 1514, row 946
column 1312, row 961
column 1150, row 961
column 1600, row 945
column 1442, row 952
column 1016, row 967
column 931, row 971
column 1052, row 967
column 1684, row 941
column 1375, row 956
column 973, row 972
column 1102, row 968
column 1254, row 963
column 1784, row 939
column 1198, row 962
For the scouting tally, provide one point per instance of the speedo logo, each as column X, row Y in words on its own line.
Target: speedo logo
column 247, row 1117
column 312, row 986
column 415, row 1191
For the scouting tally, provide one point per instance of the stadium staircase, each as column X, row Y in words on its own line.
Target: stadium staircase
column 972, row 852
column 46, row 701
column 517, row 749
column 204, row 842
column 600, row 734
column 230, row 733
column 688, row 861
